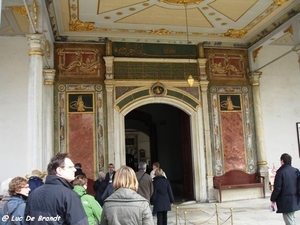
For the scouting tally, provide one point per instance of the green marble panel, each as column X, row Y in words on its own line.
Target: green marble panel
column 141, row 94
column 151, row 70
column 149, row 50
column 125, row 101
column 183, row 97
column 132, row 97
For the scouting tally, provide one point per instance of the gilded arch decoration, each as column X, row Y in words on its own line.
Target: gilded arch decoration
column 156, row 90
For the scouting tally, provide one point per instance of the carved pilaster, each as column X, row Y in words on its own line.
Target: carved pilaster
column 48, row 109
column 109, row 85
column 261, row 152
column 109, row 64
column 207, row 137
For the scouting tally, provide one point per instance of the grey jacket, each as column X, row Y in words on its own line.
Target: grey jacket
column 126, row 207
column 145, row 184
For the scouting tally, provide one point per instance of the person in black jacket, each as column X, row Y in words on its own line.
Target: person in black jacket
column 110, row 174
column 162, row 197
column 99, row 187
column 55, row 202
column 284, row 194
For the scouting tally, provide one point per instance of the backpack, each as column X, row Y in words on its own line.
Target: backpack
column 4, row 208
column 3, row 202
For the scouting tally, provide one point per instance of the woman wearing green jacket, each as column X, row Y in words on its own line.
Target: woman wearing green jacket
column 91, row 207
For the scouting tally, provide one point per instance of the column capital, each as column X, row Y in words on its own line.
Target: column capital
column 109, row 85
column 204, row 85
column 36, row 44
column 254, row 77
column 49, row 75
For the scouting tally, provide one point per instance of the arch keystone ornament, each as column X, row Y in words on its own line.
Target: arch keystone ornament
column 158, row 89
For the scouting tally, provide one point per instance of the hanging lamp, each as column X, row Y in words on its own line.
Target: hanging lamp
column 190, row 79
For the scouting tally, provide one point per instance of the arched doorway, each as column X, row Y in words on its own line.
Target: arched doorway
column 139, row 97
column 161, row 132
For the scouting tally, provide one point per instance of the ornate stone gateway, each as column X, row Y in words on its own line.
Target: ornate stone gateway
column 96, row 88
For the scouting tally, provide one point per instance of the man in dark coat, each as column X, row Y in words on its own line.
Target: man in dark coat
column 99, row 187
column 285, row 190
column 55, row 202
column 111, row 173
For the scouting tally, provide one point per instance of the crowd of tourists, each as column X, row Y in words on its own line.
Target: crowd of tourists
column 60, row 196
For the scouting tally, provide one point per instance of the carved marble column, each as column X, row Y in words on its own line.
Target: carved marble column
column 109, row 85
column 48, row 123
column 261, row 153
column 36, row 44
column 204, row 98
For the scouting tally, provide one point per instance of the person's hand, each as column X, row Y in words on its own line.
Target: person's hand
column 273, row 207
column 272, row 203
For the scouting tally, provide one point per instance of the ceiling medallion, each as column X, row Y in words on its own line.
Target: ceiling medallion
column 182, row 2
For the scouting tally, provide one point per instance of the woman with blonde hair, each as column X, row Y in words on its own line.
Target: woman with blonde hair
column 91, row 207
column 162, row 197
column 125, row 205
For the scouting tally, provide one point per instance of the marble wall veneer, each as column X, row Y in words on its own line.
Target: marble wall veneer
column 81, row 141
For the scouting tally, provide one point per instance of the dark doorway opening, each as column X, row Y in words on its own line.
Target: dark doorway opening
column 161, row 132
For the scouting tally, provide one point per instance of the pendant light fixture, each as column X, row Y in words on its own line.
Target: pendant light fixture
column 190, row 79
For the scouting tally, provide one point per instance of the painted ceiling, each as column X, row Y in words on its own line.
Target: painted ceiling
column 238, row 23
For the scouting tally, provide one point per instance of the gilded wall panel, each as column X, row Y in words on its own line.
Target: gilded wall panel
column 79, row 62
column 227, row 67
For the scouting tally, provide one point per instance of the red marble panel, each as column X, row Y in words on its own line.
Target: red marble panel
column 81, row 141
column 233, row 140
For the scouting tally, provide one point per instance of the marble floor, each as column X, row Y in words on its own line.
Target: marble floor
column 245, row 212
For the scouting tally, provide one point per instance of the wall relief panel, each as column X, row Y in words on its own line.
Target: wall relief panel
column 227, row 65
column 79, row 62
